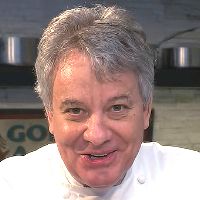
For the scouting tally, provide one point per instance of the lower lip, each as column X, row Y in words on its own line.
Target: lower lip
column 105, row 161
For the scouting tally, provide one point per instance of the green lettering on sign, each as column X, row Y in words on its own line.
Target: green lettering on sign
column 16, row 133
column 37, row 133
column 20, row 151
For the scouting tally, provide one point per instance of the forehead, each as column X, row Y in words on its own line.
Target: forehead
column 75, row 80
column 76, row 60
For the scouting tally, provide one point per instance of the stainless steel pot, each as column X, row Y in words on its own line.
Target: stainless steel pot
column 180, row 57
column 15, row 50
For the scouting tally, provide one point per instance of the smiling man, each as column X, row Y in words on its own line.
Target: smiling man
column 101, row 122
column 95, row 75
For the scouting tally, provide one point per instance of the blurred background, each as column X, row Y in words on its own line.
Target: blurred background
column 173, row 30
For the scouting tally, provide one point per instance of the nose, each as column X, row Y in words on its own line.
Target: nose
column 97, row 131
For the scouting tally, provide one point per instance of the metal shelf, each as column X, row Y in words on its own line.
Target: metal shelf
column 16, row 75
column 178, row 77
column 169, row 77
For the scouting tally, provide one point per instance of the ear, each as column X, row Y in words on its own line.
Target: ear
column 147, row 113
column 49, row 115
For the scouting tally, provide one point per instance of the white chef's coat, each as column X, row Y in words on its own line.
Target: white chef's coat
column 158, row 172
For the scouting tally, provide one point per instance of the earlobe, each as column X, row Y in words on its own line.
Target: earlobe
column 147, row 114
column 50, row 121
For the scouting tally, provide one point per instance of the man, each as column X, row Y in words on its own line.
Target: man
column 95, row 77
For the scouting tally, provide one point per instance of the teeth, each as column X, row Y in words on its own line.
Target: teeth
column 100, row 155
column 97, row 156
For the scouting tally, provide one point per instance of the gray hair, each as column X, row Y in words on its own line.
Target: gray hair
column 111, row 38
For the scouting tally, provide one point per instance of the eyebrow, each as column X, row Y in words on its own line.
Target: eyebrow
column 70, row 102
column 75, row 102
column 121, row 97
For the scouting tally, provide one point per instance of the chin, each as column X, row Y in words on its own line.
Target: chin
column 100, row 185
column 104, row 181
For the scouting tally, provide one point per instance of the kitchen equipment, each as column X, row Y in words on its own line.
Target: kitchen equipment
column 180, row 57
column 16, row 50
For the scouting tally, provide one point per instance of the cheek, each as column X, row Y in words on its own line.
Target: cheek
column 67, row 133
column 64, row 133
column 132, row 127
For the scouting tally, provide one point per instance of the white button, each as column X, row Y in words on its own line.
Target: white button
column 141, row 179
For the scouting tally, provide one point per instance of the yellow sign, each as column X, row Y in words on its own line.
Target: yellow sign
column 24, row 135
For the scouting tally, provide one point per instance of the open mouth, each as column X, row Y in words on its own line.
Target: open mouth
column 99, row 156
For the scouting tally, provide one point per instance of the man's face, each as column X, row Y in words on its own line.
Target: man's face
column 98, row 126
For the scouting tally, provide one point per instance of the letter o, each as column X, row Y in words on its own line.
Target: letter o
column 42, row 133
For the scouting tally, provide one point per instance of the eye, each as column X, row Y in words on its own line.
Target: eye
column 117, row 108
column 75, row 114
column 74, row 111
column 118, row 111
